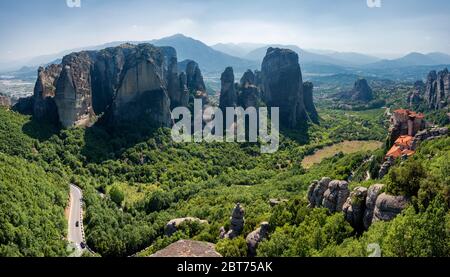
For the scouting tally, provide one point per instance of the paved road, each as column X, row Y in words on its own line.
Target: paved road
column 75, row 234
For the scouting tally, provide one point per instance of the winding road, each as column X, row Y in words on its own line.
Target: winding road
column 76, row 232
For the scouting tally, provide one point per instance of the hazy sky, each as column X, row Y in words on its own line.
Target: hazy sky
column 34, row 27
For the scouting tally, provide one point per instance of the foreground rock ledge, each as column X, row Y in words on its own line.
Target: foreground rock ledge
column 188, row 249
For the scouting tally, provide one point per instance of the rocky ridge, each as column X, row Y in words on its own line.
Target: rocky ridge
column 361, row 207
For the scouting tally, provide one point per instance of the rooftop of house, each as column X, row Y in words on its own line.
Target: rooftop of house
column 409, row 113
column 402, row 146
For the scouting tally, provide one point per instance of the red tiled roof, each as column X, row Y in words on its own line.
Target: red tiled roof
column 402, row 146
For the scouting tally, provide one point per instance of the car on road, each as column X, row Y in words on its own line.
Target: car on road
column 77, row 224
column 82, row 245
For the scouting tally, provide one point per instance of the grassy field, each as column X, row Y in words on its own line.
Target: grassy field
column 346, row 147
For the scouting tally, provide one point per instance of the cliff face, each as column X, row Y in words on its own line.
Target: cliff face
column 279, row 84
column 125, row 82
column 44, row 90
column 437, row 92
column 228, row 94
column 308, row 89
column 282, row 85
column 362, row 91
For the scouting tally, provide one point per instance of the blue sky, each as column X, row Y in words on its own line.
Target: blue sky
column 35, row 27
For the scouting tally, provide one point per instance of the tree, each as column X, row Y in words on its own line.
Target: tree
column 117, row 195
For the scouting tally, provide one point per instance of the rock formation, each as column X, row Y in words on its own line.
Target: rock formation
column 416, row 95
column 282, row 85
column 188, row 249
column 254, row 238
column 173, row 225
column 361, row 207
column 372, row 194
column 5, row 101
column 126, row 83
column 248, row 79
column 354, row 207
column 387, row 207
column 428, row 134
column 316, row 191
column 437, row 92
column 248, row 97
column 362, row 91
column 237, row 223
column 308, row 88
column 275, row 202
column 228, row 94
column 335, row 196
column 44, row 92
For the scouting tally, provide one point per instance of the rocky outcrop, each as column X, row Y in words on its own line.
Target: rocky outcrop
column 387, row 207
column 126, row 83
column 188, row 249
column 335, row 196
column 282, row 85
column 416, row 95
column 316, row 191
column 173, row 225
column 275, row 202
column 228, row 94
column 384, row 169
column 355, row 206
column 248, row 97
column 437, row 93
column 372, row 194
column 248, row 79
column 143, row 90
column 5, row 101
column 428, row 134
column 328, row 194
column 362, row 91
column 73, row 94
column 44, row 107
column 308, row 88
column 254, row 238
column 194, row 77
column 237, row 223
column 361, row 207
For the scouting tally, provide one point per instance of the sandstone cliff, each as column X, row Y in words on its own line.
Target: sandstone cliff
column 282, row 85
column 125, row 82
column 437, row 92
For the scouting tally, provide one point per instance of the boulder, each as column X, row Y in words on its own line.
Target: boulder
column 387, row 207
column 372, row 194
column 254, row 238
column 335, row 196
column 172, row 226
column 275, row 202
column 355, row 206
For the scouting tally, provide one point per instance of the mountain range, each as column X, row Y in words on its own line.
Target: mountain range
column 243, row 56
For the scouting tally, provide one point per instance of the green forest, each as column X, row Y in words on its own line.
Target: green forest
column 134, row 182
